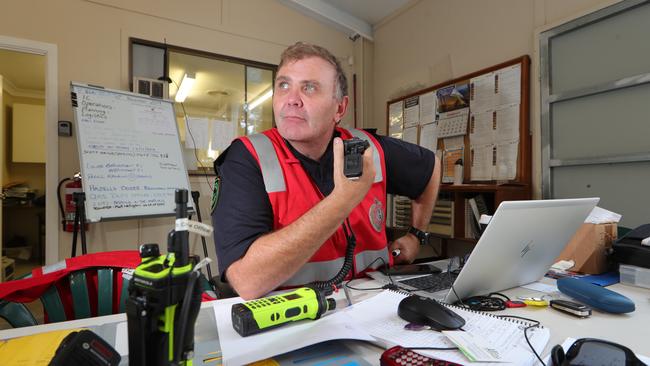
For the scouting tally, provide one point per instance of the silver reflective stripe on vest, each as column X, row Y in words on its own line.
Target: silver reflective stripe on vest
column 269, row 163
column 315, row 271
column 375, row 153
column 369, row 258
column 325, row 270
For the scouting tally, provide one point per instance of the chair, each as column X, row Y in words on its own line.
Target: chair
column 16, row 314
column 88, row 299
column 95, row 287
column 92, row 285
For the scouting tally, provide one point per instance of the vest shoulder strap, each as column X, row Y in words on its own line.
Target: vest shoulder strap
column 269, row 163
column 375, row 154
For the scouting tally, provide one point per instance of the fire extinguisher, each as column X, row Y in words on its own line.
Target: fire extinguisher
column 68, row 211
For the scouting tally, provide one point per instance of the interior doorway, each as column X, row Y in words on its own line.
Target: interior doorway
column 23, row 163
column 29, row 155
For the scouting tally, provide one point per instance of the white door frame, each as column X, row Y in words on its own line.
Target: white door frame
column 52, row 140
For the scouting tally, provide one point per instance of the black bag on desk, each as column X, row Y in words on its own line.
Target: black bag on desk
column 628, row 249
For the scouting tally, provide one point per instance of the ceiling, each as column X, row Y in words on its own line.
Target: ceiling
column 354, row 17
column 25, row 71
column 370, row 11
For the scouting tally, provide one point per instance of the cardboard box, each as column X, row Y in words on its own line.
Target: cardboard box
column 588, row 248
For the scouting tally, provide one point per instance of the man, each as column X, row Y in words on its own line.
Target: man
column 285, row 212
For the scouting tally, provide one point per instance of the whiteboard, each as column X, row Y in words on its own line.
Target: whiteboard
column 130, row 153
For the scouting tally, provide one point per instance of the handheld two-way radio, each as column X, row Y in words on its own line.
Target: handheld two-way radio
column 308, row 302
column 164, row 299
column 353, row 157
column 255, row 316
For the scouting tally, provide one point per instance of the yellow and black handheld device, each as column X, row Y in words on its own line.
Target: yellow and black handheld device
column 164, row 300
column 259, row 315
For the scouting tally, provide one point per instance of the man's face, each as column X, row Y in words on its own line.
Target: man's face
column 304, row 102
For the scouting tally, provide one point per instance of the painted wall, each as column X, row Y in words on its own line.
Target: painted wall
column 92, row 39
column 434, row 41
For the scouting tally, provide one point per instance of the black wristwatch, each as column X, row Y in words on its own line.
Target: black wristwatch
column 422, row 236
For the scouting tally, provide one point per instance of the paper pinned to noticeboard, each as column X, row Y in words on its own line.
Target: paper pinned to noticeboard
column 450, row 157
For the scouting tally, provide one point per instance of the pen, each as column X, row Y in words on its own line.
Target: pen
column 396, row 252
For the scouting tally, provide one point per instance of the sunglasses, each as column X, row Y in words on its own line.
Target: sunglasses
column 594, row 352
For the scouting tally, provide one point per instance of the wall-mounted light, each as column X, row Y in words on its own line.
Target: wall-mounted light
column 260, row 99
column 185, row 87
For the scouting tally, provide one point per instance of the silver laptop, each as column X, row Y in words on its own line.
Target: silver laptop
column 519, row 245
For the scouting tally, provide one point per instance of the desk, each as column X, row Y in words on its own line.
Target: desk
column 628, row 329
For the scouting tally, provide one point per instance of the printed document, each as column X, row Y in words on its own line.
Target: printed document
column 378, row 316
column 196, row 133
column 412, row 111
column 428, row 107
column 238, row 350
column 429, row 136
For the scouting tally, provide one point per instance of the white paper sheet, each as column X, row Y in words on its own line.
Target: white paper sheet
column 122, row 338
column 541, row 287
column 481, row 168
column 601, row 216
column 482, row 95
column 429, row 136
column 508, row 85
column 506, row 162
column 428, row 107
column 197, row 133
column 410, row 134
column 507, row 123
column 412, row 111
column 238, row 350
column 481, row 128
column 223, row 132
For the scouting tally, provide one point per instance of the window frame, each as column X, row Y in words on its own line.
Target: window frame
column 167, row 48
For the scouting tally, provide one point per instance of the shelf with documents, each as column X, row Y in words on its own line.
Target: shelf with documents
column 492, row 194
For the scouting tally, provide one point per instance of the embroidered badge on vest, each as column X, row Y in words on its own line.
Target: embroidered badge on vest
column 376, row 215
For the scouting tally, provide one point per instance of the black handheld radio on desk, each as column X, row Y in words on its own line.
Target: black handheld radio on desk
column 164, row 299
column 310, row 302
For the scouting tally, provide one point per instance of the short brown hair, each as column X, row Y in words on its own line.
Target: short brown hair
column 301, row 50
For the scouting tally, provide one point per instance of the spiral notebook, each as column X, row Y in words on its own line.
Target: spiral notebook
column 378, row 316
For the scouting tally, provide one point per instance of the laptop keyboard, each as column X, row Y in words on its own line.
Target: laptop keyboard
column 432, row 283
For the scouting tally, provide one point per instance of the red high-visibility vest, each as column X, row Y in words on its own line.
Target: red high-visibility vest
column 292, row 193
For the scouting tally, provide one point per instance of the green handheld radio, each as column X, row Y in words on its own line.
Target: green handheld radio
column 259, row 315
column 164, row 300
column 308, row 302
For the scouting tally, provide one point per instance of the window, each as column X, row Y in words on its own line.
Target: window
column 217, row 97
column 595, row 87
